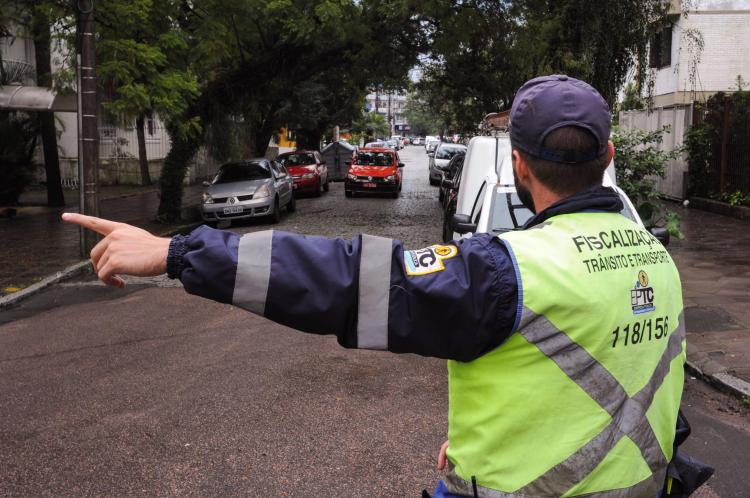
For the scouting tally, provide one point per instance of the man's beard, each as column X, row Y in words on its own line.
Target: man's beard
column 523, row 193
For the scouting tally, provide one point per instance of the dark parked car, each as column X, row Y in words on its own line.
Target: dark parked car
column 449, row 188
column 449, row 173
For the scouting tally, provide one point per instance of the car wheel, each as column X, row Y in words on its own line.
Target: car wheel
column 395, row 195
column 291, row 205
column 276, row 215
column 327, row 185
column 441, row 195
column 348, row 193
column 433, row 182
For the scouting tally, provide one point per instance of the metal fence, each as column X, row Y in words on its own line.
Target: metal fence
column 121, row 142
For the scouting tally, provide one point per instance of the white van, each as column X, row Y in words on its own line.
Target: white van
column 487, row 200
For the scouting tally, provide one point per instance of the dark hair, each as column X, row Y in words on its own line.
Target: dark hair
column 566, row 178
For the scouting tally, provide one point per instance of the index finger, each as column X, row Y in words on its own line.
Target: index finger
column 99, row 225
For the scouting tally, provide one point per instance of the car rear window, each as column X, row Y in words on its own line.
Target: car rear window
column 447, row 152
column 240, row 172
column 374, row 159
column 297, row 159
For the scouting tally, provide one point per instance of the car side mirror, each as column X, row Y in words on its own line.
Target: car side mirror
column 431, row 153
column 661, row 234
column 401, row 165
column 206, row 184
column 461, row 223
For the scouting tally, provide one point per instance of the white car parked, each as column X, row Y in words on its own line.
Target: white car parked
column 487, row 200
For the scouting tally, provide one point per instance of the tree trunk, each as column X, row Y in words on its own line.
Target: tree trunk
column 173, row 176
column 41, row 30
column 142, row 157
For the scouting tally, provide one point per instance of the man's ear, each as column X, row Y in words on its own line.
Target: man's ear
column 520, row 165
column 610, row 151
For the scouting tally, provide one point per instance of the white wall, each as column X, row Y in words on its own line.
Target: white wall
column 726, row 37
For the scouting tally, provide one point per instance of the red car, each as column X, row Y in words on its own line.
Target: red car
column 374, row 170
column 308, row 169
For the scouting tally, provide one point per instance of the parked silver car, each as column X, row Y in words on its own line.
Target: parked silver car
column 245, row 189
column 444, row 152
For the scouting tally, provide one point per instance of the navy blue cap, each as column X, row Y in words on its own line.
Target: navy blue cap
column 547, row 103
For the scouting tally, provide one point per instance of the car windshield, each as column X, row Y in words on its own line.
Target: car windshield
column 448, row 152
column 240, row 172
column 297, row 159
column 374, row 159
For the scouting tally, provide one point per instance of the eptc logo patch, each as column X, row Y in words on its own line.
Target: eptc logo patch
column 642, row 296
column 428, row 260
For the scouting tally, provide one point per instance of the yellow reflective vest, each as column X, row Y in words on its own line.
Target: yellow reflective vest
column 583, row 397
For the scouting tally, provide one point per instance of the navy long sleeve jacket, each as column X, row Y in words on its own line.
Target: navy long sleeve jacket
column 455, row 301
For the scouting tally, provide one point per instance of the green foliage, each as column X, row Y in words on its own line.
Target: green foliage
column 699, row 144
column 483, row 51
column 631, row 99
column 736, row 198
column 142, row 59
column 19, row 133
column 639, row 161
column 423, row 118
column 368, row 127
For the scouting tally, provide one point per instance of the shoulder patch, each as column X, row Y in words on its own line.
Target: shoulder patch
column 428, row 260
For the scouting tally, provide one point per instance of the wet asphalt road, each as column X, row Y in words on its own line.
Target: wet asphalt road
column 149, row 391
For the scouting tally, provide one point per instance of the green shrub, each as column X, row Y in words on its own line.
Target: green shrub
column 639, row 162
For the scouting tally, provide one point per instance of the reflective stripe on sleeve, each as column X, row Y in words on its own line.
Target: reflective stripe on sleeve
column 253, row 271
column 374, row 291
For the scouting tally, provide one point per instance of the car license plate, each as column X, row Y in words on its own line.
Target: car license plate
column 370, row 185
column 233, row 210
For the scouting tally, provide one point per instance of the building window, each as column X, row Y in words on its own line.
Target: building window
column 660, row 50
column 151, row 126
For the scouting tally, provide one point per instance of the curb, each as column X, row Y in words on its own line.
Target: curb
column 69, row 272
column 721, row 380
column 74, row 270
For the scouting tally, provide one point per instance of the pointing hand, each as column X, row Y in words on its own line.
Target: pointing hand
column 125, row 249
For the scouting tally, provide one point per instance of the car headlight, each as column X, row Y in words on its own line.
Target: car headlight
column 207, row 199
column 262, row 192
column 390, row 178
column 352, row 176
column 309, row 175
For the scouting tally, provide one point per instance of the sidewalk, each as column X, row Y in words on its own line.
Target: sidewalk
column 714, row 264
column 36, row 243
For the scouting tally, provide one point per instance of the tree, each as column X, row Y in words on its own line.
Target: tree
column 142, row 65
column 37, row 18
column 482, row 52
column 266, row 64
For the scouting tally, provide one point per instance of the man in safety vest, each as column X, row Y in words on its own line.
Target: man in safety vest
column 566, row 339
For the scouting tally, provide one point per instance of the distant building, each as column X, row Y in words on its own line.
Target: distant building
column 392, row 106
column 683, row 73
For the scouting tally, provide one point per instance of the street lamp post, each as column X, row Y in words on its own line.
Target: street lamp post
column 88, row 133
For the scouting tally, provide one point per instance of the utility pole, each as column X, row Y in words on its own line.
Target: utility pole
column 390, row 124
column 88, row 133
